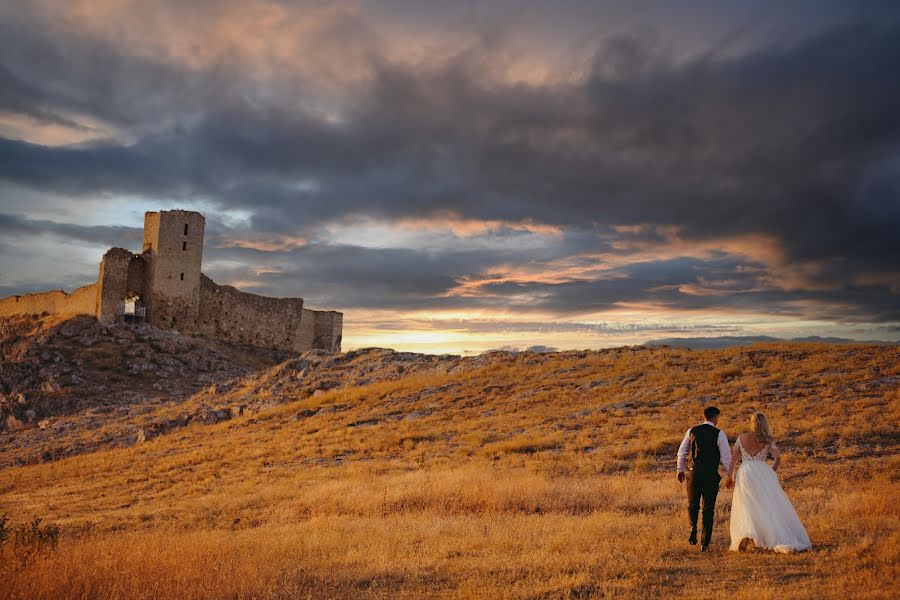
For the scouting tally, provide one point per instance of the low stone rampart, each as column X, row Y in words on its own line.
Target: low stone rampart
column 232, row 315
column 82, row 301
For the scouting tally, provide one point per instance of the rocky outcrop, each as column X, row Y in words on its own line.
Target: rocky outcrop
column 51, row 368
column 59, row 375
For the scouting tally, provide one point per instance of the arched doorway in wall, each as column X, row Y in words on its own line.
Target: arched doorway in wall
column 133, row 308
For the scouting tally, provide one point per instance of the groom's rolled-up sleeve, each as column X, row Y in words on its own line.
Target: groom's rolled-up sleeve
column 683, row 451
column 724, row 450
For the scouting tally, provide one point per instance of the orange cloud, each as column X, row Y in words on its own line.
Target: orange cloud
column 242, row 284
column 565, row 270
column 778, row 273
column 275, row 243
column 46, row 133
column 463, row 227
column 666, row 243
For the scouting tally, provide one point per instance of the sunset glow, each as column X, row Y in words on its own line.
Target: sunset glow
column 461, row 178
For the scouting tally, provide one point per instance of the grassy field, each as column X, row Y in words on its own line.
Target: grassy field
column 534, row 476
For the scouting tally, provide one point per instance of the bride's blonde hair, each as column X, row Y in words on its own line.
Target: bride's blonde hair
column 761, row 429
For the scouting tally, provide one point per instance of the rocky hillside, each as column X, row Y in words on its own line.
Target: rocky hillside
column 60, row 376
column 77, row 386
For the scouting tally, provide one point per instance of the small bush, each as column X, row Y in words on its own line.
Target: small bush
column 32, row 538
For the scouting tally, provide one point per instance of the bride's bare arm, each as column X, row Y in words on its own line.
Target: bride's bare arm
column 776, row 454
column 735, row 459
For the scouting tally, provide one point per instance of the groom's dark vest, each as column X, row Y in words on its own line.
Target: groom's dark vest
column 704, row 454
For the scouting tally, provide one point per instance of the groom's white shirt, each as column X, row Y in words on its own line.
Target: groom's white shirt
column 721, row 441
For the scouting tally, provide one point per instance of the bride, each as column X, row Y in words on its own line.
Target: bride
column 760, row 510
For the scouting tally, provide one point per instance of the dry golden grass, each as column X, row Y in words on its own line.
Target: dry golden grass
column 519, row 479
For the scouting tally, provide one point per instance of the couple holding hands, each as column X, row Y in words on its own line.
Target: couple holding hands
column 761, row 513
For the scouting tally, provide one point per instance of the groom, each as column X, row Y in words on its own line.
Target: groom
column 703, row 448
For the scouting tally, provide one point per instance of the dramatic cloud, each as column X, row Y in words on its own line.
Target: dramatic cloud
column 564, row 163
column 12, row 226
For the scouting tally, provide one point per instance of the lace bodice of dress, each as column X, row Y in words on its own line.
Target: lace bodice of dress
column 759, row 456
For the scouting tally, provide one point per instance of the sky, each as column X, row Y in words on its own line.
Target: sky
column 462, row 176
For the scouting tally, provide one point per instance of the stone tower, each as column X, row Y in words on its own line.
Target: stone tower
column 173, row 245
column 164, row 286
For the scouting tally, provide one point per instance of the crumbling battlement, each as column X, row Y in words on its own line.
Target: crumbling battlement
column 82, row 301
column 230, row 314
column 167, row 282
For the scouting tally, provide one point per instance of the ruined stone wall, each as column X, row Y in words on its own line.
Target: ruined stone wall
column 113, row 282
column 82, row 301
column 235, row 316
column 320, row 329
column 121, row 272
column 173, row 244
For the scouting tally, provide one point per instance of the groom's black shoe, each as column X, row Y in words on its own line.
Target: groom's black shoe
column 693, row 539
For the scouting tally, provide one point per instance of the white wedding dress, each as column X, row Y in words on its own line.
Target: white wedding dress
column 760, row 510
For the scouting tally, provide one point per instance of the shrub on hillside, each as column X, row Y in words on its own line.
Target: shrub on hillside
column 29, row 538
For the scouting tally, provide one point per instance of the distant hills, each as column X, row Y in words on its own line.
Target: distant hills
column 708, row 343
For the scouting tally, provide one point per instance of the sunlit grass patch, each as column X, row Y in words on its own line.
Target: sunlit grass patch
column 521, row 479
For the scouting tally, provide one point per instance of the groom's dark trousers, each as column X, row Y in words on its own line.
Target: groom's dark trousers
column 703, row 477
column 702, row 484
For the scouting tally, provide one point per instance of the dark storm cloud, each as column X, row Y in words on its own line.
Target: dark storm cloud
column 799, row 140
column 780, row 136
column 48, row 70
column 101, row 235
column 684, row 284
column 357, row 277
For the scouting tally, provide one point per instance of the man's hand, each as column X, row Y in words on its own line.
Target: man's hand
column 681, row 477
column 729, row 483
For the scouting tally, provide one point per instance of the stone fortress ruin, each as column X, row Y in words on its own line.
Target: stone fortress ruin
column 165, row 286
